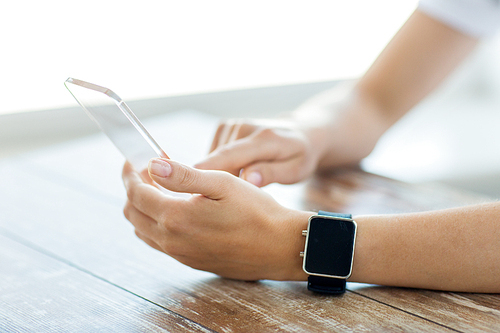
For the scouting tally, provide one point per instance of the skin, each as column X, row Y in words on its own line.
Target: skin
column 315, row 136
column 223, row 227
column 232, row 228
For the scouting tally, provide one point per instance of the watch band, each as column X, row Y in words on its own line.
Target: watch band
column 324, row 285
column 328, row 285
column 344, row 216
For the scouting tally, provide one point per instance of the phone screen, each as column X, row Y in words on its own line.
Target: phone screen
column 117, row 121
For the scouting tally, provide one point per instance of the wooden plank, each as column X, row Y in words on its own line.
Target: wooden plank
column 461, row 311
column 288, row 307
column 352, row 191
column 80, row 166
column 94, row 236
column 349, row 190
column 41, row 294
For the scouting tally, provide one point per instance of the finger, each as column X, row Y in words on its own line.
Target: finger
column 145, row 176
column 229, row 132
column 148, row 241
column 181, row 178
column 142, row 223
column 245, row 129
column 235, row 133
column 244, row 152
column 283, row 172
column 215, row 141
column 146, row 198
column 226, row 133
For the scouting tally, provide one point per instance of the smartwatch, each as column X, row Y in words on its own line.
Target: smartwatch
column 329, row 251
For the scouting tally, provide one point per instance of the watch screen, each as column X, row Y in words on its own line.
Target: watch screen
column 330, row 247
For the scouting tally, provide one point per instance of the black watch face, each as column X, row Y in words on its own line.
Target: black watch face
column 330, row 247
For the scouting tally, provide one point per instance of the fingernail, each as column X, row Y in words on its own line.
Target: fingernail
column 254, row 178
column 160, row 168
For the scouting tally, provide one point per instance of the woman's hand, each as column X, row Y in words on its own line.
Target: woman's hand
column 228, row 226
column 262, row 152
column 336, row 128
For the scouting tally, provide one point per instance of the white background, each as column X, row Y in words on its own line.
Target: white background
column 165, row 48
column 153, row 48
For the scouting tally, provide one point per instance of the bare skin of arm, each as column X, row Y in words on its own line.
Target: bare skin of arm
column 341, row 126
column 415, row 62
column 456, row 249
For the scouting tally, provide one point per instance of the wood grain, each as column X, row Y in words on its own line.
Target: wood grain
column 378, row 195
column 357, row 192
column 67, row 200
column 461, row 311
column 41, row 294
column 94, row 237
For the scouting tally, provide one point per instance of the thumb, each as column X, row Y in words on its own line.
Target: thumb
column 178, row 177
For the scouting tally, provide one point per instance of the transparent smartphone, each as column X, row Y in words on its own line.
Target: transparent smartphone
column 117, row 121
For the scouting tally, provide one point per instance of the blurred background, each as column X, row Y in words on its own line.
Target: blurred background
column 159, row 48
column 239, row 59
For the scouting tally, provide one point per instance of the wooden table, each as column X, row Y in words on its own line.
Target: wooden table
column 69, row 260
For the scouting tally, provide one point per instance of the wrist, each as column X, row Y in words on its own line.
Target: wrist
column 315, row 123
column 296, row 221
column 352, row 131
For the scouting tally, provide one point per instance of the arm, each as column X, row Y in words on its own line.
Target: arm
column 455, row 249
column 342, row 126
column 415, row 62
column 235, row 230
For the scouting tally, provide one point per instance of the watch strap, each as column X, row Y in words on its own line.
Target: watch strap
column 321, row 284
column 344, row 216
column 327, row 285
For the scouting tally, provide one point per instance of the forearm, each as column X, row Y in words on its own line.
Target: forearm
column 418, row 58
column 345, row 124
column 454, row 249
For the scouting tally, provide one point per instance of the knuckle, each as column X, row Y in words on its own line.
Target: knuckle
column 174, row 227
column 186, row 178
column 222, row 179
column 244, row 129
column 173, row 250
column 226, row 158
column 163, row 219
column 225, row 152
column 174, row 221
column 267, row 133
column 131, row 193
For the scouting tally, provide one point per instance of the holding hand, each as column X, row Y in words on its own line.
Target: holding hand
column 336, row 128
column 228, row 226
column 262, row 152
